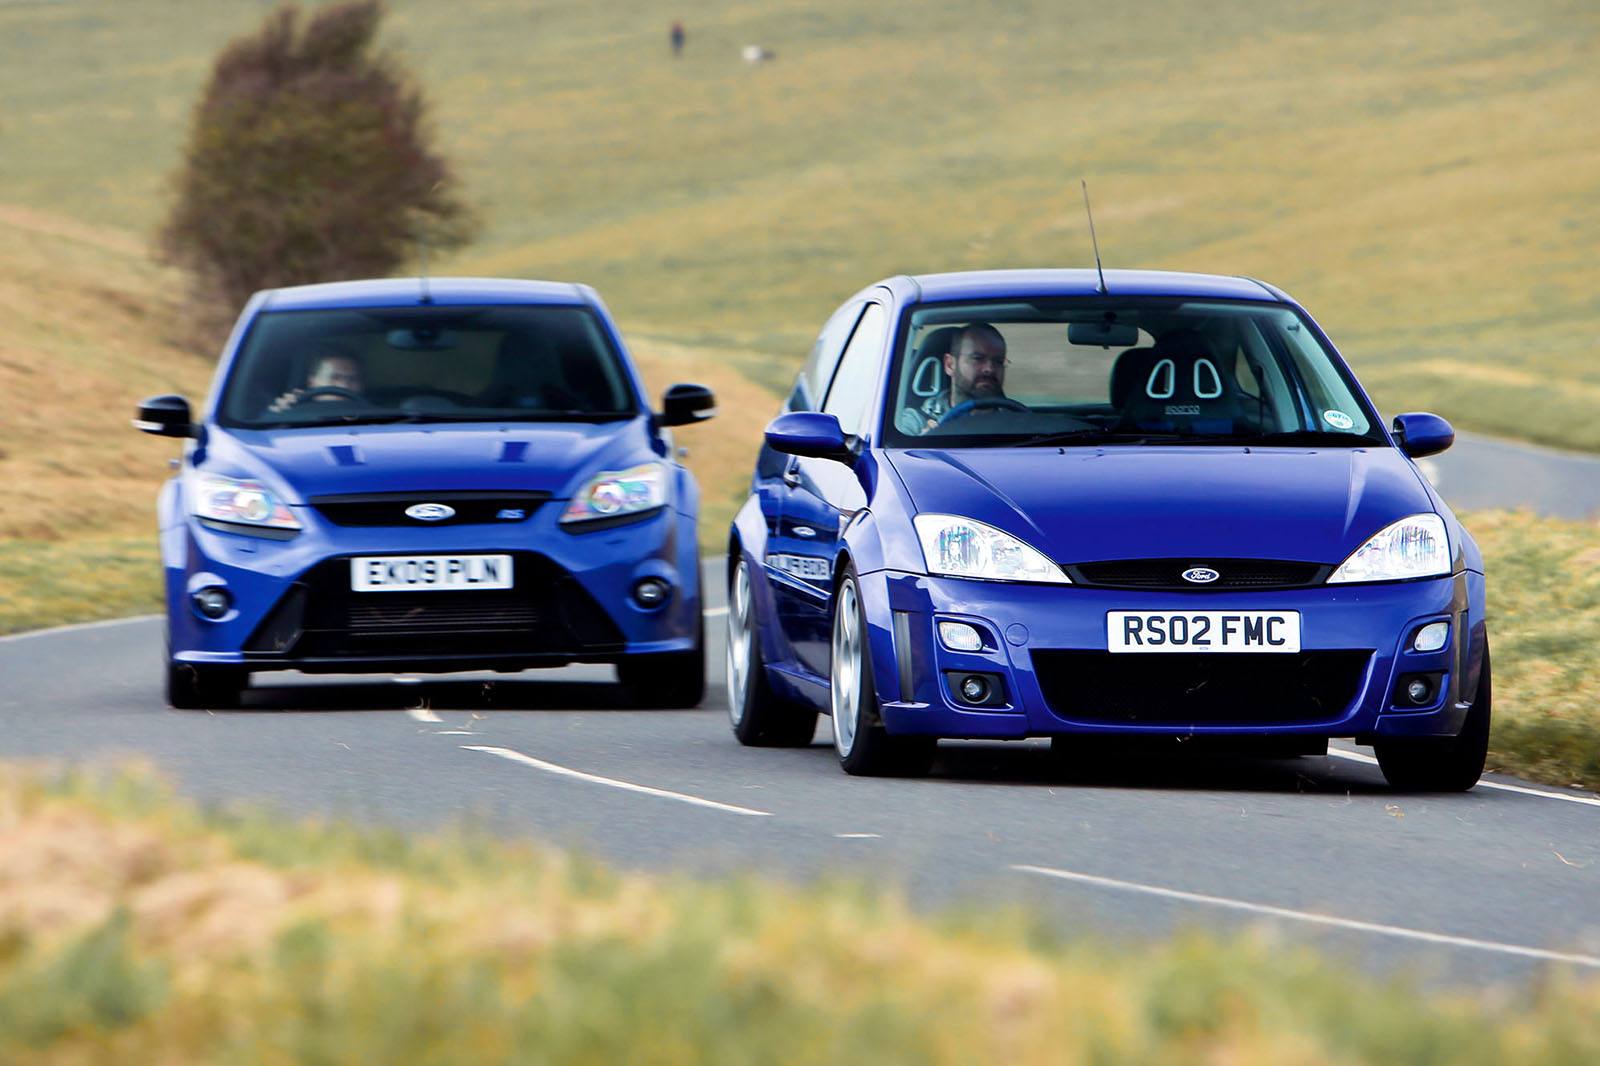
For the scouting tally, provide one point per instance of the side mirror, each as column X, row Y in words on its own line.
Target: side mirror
column 166, row 416
column 811, row 433
column 1423, row 434
column 684, row 405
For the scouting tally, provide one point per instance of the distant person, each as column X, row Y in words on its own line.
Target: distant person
column 330, row 368
column 677, row 35
column 976, row 366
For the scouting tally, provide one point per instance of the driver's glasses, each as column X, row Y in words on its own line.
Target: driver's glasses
column 998, row 362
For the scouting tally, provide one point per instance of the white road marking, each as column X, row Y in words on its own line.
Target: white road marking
column 1316, row 919
column 53, row 630
column 859, row 836
column 540, row 764
column 422, row 714
column 1588, row 801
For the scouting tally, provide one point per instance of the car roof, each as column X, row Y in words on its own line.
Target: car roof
column 989, row 284
column 392, row 292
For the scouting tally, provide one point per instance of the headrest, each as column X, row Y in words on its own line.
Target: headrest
column 938, row 343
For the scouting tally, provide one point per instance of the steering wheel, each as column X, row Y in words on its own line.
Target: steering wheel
column 328, row 390
column 984, row 403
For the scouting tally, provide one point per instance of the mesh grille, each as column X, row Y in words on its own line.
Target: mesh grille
column 1199, row 690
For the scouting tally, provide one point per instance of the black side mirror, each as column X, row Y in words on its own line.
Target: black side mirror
column 1423, row 434
column 684, row 405
column 166, row 416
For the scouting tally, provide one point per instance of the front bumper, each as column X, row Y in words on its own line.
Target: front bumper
column 1045, row 648
column 292, row 606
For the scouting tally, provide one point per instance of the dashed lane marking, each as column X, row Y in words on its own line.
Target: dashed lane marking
column 1315, row 919
column 628, row 786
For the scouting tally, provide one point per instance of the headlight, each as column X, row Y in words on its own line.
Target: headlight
column 619, row 492
column 1412, row 547
column 961, row 547
column 241, row 502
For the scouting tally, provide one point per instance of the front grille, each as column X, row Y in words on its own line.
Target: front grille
column 1167, row 574
column 389, row 508
column 422, row 616
column 1186, row 691
column 547, row 612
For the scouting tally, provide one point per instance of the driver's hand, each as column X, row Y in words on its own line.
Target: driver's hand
column 286, row 401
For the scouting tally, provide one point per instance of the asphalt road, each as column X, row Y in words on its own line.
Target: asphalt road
column 1490, row 886
column 1479, row 472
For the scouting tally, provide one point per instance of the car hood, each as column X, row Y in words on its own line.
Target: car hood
column 1155, row 502
column 554, row 458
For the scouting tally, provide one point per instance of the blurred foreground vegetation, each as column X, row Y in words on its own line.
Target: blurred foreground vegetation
column 139, row 929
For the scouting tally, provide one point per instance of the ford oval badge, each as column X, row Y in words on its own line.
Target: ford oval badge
column 1200, row 575
column 430, row 512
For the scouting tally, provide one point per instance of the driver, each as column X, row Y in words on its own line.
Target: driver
column 976, row 363
column 329, row 368
column 976, row 366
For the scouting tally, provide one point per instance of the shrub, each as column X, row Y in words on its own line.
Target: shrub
column 309, row 159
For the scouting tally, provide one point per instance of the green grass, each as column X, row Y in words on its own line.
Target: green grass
column 1422, row 176
column 1544, row 629
column 153, row 931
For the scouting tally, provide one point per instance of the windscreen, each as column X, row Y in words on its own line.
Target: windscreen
column 425, row 364
column 1099, row 370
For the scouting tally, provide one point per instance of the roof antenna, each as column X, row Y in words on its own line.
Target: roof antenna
column 422, row 247
column 1092, row 239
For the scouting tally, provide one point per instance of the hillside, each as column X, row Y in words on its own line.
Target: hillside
column 1422, row 177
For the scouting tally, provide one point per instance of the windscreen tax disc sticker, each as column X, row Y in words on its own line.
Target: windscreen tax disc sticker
column 1338, row 420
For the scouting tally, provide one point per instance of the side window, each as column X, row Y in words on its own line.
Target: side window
column 859, row 367
column 818, row 369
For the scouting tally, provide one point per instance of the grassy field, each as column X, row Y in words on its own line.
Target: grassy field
column 137, row 929
column 1422, row 176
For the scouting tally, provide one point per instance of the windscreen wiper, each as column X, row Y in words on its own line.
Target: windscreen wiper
column 1306, row 437
column 1096, row 435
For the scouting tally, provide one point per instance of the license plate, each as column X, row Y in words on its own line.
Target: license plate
column 1230, row 631
column 421, row 573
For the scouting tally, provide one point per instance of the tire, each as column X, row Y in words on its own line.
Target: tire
column 675, row 680
column 865, row 748
column 193, row 686
column 1442, row 764
column 759, row 716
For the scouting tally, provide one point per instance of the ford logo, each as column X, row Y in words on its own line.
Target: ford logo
column 430, row 512
column 1200, row 575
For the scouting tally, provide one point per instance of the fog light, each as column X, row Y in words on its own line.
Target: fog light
column 1418, row 691
column 650, row 592
column 974, row 689
column 1431, row 637
column 213, row 602
column 958, row 636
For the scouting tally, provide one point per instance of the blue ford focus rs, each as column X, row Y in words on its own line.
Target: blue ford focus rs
column 1007, row 504
column 429, row 475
